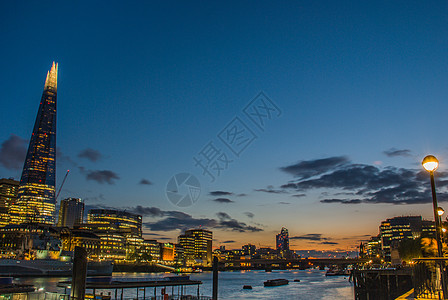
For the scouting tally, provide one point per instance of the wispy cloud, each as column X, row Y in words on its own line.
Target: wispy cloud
column 314, row 238
column 309, row 168
column 183, row 221
column 145, row 182
column 223, row 200
column 13, row 152
column 220, row 193
column 392, row 152
column 100, row 176
column 90, row 154
column 249, row 214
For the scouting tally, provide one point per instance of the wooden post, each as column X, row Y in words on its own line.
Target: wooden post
column 79, row 274
column 215, row 278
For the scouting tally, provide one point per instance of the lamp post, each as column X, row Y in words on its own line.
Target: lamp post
column 430, row 164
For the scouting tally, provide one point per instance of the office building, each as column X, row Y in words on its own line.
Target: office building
column 282, row 243
column 71, row 212
column 36, row 194
column 393, row 230
column 8, row 196
column 197, row 246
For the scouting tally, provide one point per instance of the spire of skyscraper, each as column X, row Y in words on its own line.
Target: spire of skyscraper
column 52, row 78
column 36, row 201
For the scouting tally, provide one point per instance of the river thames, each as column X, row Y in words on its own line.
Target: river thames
column 313, row 285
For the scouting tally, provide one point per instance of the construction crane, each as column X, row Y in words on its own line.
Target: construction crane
column 60, row 188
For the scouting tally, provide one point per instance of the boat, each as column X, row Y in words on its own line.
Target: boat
column 247, row 287
column 50, row 267
column 276, row 282
column 337, row 272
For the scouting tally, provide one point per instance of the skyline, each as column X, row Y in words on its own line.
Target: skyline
column 143, row 89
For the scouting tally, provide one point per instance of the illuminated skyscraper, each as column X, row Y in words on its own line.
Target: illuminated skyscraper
column 36, row 201
column 197, row 245
column 71, row 212
column 282, row 242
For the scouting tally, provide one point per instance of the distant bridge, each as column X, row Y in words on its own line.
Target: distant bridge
column 301, row 263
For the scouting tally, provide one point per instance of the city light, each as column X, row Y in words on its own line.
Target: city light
column 430, row 163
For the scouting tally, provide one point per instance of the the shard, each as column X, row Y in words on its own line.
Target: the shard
column 36, row 195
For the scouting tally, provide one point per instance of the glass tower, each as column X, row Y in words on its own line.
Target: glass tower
column 36, row 196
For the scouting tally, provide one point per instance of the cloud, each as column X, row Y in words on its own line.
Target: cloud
column 223, row 216
column 350, row 201
column 13, row 153
column 145, row 182
column 182, row 221
column 298, row 195
column 102, row 176
column 228, row 242
column 309, row 237
column 270, row 189
column 314, row 238
column 249, row 214
column 223, row 200
column 361, row 183
column 90, row 154
column 284, row 203
column 309, row 168
column 220, row 193
column 148, row 211
column 392, row 152
column 61, row 157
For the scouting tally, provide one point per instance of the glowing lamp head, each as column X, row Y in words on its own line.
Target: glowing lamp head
column 430, row 163
column 440, row 211
column 443, row 230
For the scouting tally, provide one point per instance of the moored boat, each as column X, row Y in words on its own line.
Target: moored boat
column 276, row 282
column 50, row 267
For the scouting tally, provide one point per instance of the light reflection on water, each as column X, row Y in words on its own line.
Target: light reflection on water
column 313, row 285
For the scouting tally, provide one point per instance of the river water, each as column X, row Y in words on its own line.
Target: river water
column 313, row 285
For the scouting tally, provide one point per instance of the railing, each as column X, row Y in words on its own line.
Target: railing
column 428, row 274
column 57, row 296
column 34, row 296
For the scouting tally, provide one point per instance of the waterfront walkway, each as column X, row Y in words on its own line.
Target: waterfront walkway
column 410, row 296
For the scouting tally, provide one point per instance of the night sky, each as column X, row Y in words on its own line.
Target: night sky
column 350, row 95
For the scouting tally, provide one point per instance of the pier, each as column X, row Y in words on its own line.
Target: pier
column 171, row 288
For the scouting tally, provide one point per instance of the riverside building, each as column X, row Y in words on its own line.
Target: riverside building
column 8, row 196
column 197, row 247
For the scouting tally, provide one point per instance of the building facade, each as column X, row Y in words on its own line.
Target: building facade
column 8, row 196
column 393, row 230
column 71, row 212
column 197, row 246
column 282, row 243
column 36, row 193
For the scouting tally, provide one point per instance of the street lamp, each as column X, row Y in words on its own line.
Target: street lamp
column 430, row 164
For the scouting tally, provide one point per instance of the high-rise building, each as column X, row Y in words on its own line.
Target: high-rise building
column 282, row 242
column 393, row 230
column 71, row 212
column 36, row 195
column 197, row 245
column 111, row 220
column 8, row 196
column 120, row 232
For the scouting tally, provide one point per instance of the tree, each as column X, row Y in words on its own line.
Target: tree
column 410, row 248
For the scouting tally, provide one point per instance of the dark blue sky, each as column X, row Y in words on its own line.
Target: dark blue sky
column 146, row 85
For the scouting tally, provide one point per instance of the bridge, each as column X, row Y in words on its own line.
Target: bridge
column 301, row 263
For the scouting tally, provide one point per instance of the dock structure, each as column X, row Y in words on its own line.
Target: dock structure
column 381, row 284
column 170, row 288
